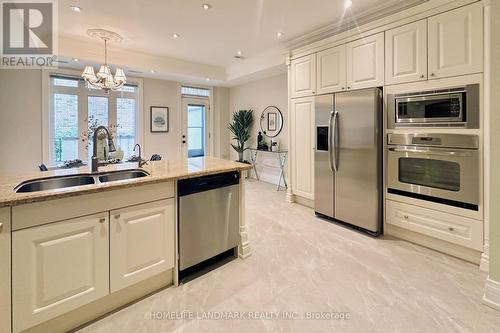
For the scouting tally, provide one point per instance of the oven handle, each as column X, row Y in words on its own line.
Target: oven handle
column 433, row 152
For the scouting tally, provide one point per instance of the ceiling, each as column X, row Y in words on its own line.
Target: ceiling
column 211, row 36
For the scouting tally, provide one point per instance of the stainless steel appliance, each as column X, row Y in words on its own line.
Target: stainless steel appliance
column 208, row 218
column 454, row 107
column 442, row 168
column 348, row 158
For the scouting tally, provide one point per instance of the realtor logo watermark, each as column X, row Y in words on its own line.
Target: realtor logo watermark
column 29, row 33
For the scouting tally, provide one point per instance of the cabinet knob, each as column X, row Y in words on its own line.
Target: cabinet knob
column 102, row 220
column 343, row 88
column 432, row 74
column 406, row 217
column 348, row 87
column 117, row 216
column 451, row 229
column 422, row 76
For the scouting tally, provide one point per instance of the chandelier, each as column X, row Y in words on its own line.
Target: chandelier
column 104, row 79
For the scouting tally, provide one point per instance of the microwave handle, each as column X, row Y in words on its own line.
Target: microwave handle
column 432, row 152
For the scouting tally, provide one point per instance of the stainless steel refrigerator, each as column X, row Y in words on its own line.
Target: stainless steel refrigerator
column 348, row 158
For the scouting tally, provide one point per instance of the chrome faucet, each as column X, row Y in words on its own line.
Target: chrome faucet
column 139, row 157
column 111, row 146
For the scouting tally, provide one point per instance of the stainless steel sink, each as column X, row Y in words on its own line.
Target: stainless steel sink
column 54, row 183
column 58, row 182
column 122, row 175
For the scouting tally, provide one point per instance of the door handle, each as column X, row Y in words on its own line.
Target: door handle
column 335, row 141
column 330, row 143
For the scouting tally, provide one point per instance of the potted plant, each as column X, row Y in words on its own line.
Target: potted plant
column 240, row 129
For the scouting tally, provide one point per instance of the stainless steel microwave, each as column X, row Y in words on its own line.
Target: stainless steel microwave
column 453, row 107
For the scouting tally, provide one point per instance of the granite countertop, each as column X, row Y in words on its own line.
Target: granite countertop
column 160, row 171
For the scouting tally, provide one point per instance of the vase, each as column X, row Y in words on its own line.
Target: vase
column 240, row 156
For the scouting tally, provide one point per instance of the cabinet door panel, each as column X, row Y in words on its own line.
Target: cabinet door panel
column 456, row 42
column 5, row 277
column 406, row 53
column 142, row 242
column 302, row 147
column 59, row 267
column 303, row 73
column 365, row 62
column 331, row 70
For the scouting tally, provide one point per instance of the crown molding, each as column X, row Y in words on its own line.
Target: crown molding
column 380, row 11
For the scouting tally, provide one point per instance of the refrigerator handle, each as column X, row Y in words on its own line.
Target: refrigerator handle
column 330, row 142
column 335, row 141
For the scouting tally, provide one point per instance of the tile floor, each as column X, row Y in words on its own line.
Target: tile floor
column 304, row 266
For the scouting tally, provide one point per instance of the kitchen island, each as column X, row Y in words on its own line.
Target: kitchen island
column 84, row 249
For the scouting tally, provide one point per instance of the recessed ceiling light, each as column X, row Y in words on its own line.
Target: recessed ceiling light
column 206, row 6
column 76, row 59
column 176, row 35
column 239, row 53
column 208, row 79
column 279, row 34
column 347, row 4
column 76, row 9
column 152, row 71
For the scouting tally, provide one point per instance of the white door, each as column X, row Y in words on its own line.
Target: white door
column 58, row 267
column 142, row 242
column 303, row 71
column 302, row 147
column 456, row 42
column 406, row 53
column 331, row 70
column 365, row 62
column 196, row 136
column 5, row 270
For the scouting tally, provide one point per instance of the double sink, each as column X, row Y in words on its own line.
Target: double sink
column 59, row 182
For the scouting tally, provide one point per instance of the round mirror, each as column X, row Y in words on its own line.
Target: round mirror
column 271, row 121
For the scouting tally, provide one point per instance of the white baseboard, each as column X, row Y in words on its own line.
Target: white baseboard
column 492, row 294
column 485, row 257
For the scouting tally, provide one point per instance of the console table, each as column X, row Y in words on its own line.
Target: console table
column 282, row 157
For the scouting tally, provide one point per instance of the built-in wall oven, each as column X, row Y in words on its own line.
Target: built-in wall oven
column 452, row 107
column 442, row 168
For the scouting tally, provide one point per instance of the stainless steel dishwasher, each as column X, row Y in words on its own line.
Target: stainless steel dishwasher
column 208, row 220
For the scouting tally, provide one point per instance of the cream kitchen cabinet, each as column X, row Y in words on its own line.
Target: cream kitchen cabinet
column 302, row 147
column 58, row 267
column 456, row 42
column 331, row 70
column 451, row 228
column 142, row 243
column 406, row 53
column 303, row 80
column 5, row 310
column 365, row 62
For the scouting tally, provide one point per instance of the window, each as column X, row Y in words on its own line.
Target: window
column 75, row 108
column 196, row 130
column 192, row 91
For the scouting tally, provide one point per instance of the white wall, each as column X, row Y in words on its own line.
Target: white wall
column 221, row 121
column 257, row 96
column 20, row 120
column 495, row 144
column 161, row 93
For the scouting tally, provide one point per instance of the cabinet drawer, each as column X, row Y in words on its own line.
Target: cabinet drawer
column 451, row 228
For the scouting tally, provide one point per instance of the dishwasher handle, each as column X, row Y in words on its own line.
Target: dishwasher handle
column 207, row 183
